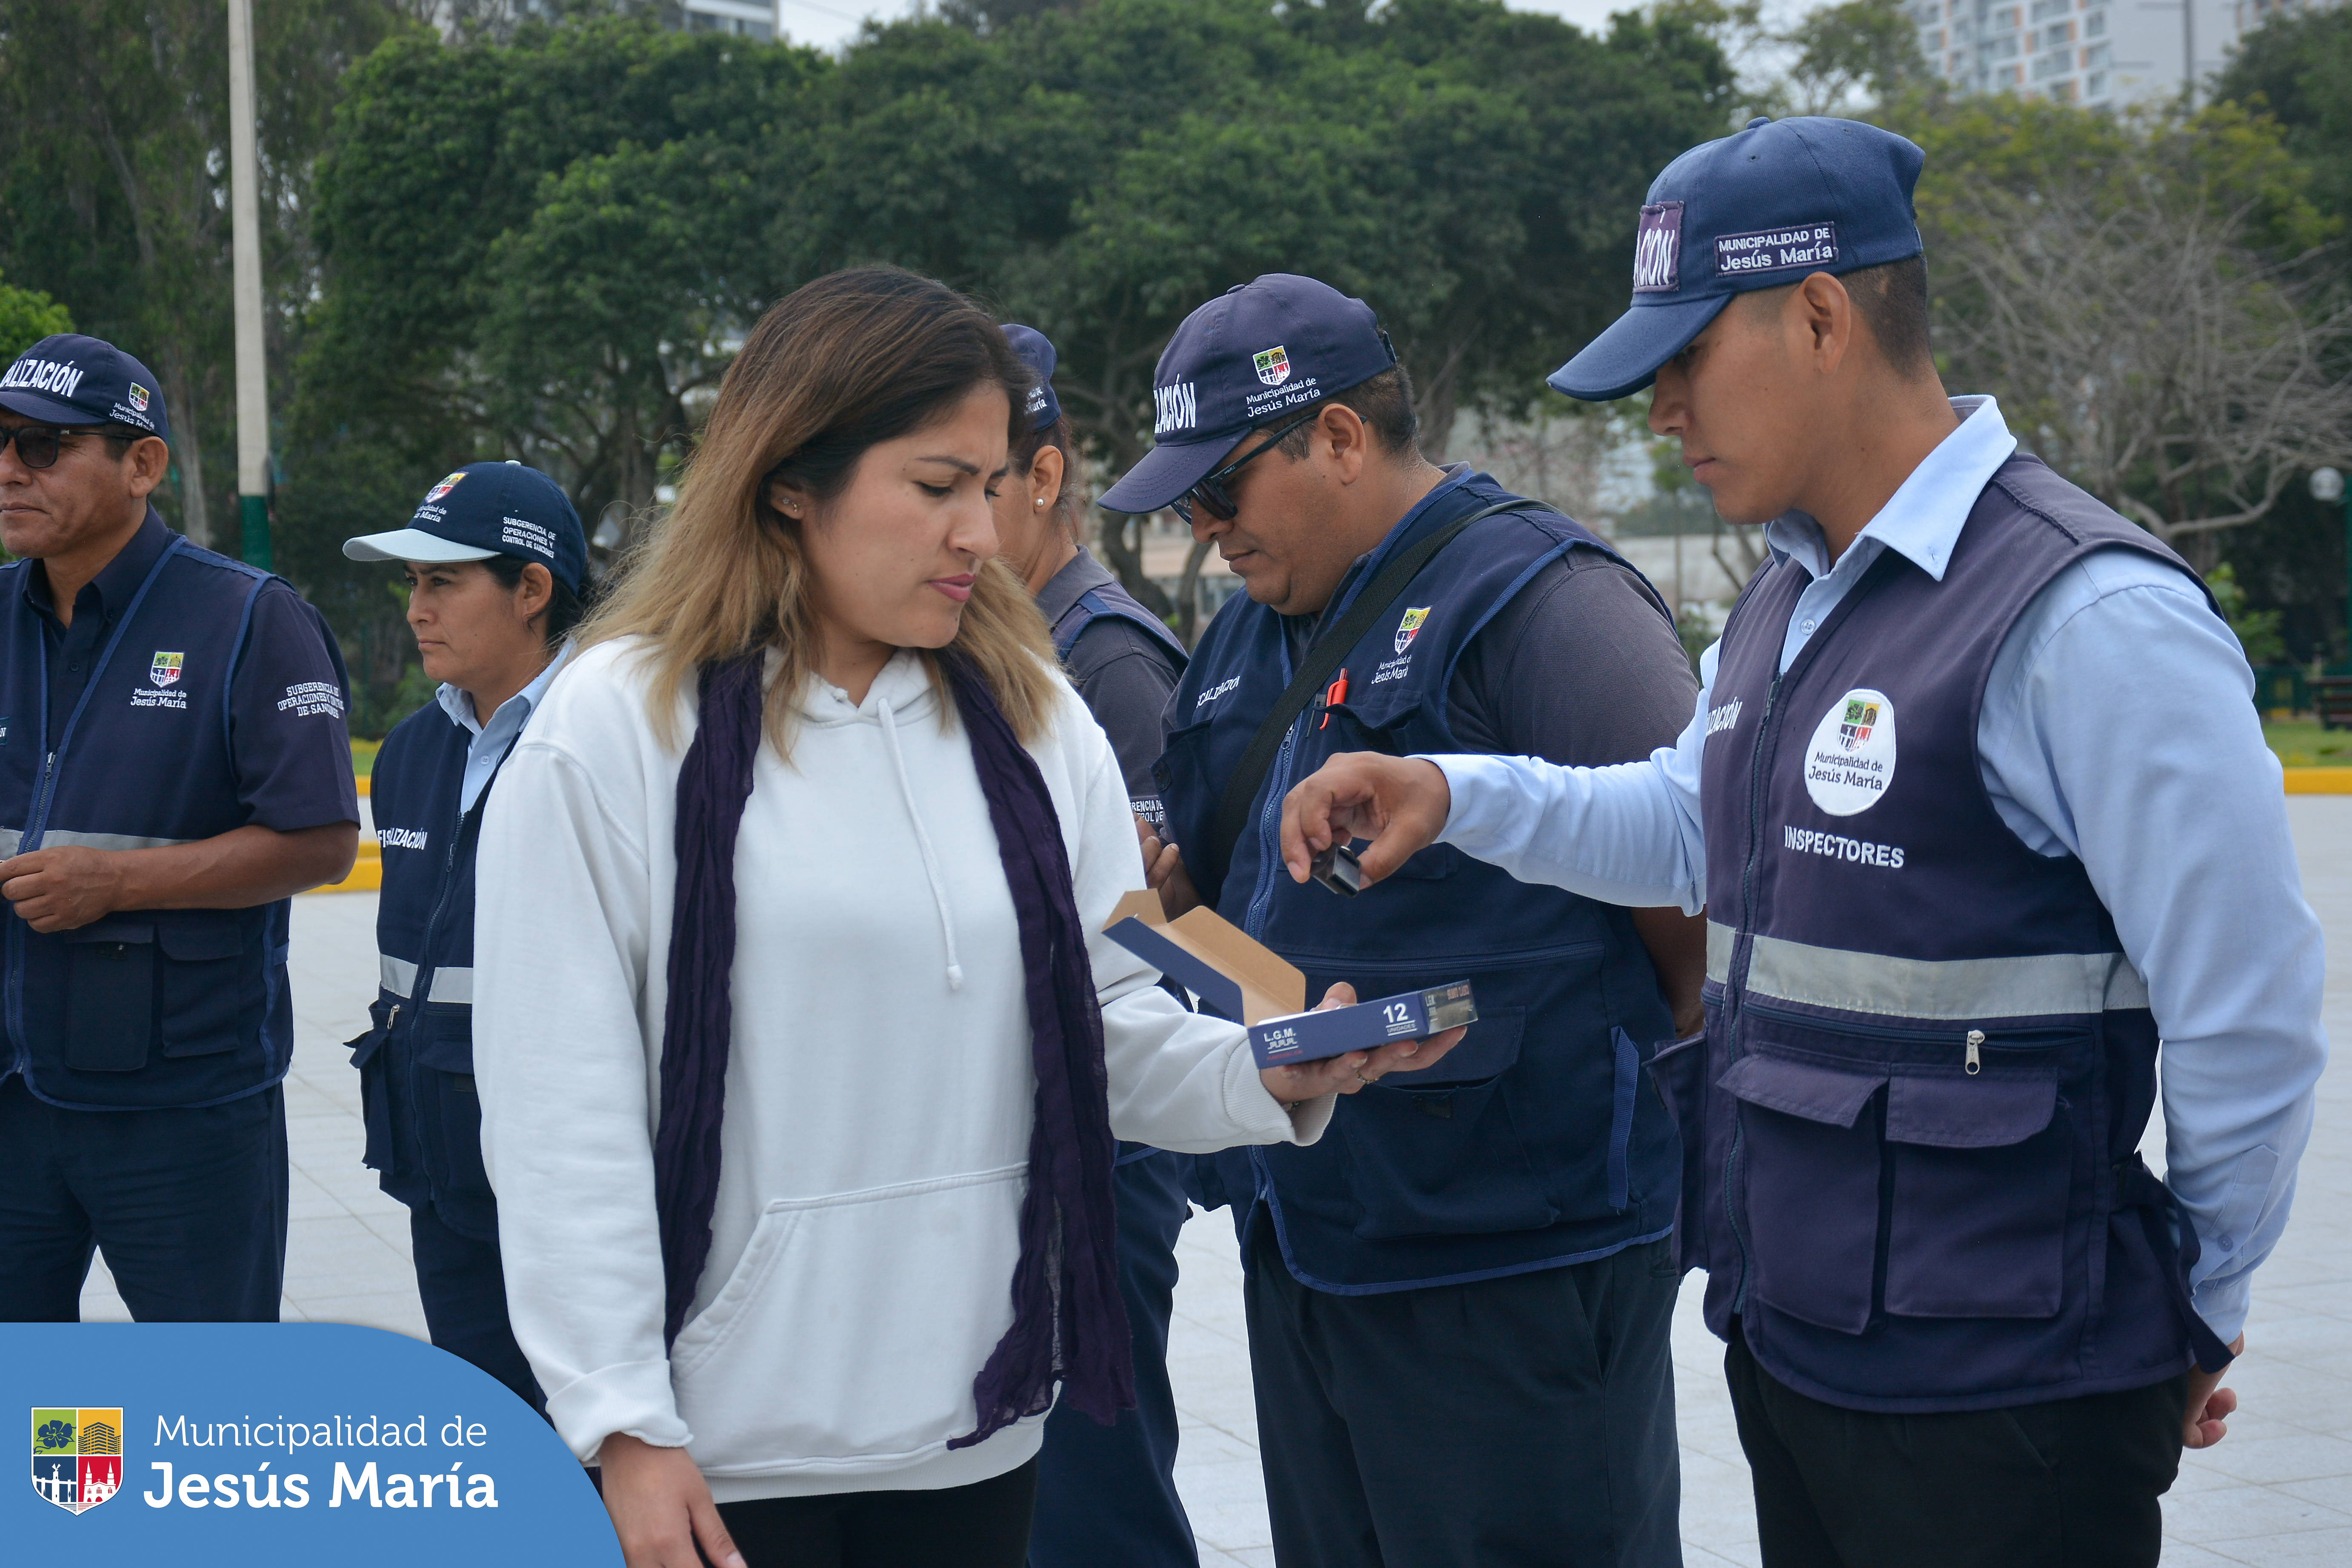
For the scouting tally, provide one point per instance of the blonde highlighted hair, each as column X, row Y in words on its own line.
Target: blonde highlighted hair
column 841, row 364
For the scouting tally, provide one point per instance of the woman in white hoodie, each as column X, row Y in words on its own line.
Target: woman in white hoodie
column 800, row 1055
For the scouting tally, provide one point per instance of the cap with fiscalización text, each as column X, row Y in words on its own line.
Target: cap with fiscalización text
column 485, row 509
column 1254, row 354
column 69, row 379
column 1763, row 207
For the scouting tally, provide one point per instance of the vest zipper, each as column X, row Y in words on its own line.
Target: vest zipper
column 1975, row 1063
column 1736, row 993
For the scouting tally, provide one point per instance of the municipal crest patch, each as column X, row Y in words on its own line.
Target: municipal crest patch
column 1273, row 365
column 138, row 398
column 443, row 488
column 76, row 1456
column 1410, row 627
column 1861, row 717
column 165, row 669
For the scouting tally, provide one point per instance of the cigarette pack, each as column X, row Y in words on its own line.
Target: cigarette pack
column 1242, row 980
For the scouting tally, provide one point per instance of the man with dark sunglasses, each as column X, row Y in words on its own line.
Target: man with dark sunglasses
column 1458, row 1305
column 173, row 765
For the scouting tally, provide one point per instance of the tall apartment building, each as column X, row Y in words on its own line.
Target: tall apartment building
column 2107, row 52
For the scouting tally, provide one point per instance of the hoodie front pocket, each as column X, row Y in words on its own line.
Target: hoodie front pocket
column 848, row 1333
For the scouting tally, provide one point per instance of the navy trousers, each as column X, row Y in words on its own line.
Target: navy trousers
column 1520, row 1422
column 1108, row 1494
column 465, row 1294
column 189, row 1206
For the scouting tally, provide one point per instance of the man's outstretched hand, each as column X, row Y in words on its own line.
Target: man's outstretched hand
column 1398, row 802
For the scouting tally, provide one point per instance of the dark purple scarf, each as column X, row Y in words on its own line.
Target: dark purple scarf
column 1067, row 1318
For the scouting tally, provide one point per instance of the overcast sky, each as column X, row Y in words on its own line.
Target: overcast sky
column 831, row 22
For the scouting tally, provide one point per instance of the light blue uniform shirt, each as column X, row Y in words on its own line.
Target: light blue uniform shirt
column 2119, row 726
column 491, row 741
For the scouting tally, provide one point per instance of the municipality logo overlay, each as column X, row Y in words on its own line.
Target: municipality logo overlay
column 1410, row 627
column 443, row 488
column 1273, row 366
column 76, row 1454
column 165, row 669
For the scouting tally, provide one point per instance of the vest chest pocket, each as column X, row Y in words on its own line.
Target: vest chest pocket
column 1968, row 1175
column 109, row 996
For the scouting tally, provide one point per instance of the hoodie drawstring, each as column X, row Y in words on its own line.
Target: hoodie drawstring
column 922, row 842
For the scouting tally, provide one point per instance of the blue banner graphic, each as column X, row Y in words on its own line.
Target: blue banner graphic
column 197, row 1444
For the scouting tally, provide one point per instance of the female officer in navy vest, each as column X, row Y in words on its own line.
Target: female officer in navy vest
column 172, row 766
column 1104, row 1494
column 495, row 557
column 1465, row 1293
column 1980, row 809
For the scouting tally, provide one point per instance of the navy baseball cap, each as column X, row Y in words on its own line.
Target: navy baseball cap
column 1036, row 352
column 1758, row 209
column 1253, row 353
column 69, row 379
column 485, row 509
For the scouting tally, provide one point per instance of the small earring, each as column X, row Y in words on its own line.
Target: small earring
column 1040, row 501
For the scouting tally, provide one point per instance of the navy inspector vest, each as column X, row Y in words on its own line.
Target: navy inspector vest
column 1529, row 1145
column 1927, row 1062
column 416, row 1059
column 1111, row 602
column 146, row 1008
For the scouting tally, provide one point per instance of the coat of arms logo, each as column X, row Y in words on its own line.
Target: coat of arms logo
column 138, row 398
column 1860, row 717
column 165, row 670
column 443, row 488
column 1273, row 366
column 76, row 1456
column 1410, row 627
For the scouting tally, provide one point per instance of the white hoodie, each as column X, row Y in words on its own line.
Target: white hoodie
column 879, row 1090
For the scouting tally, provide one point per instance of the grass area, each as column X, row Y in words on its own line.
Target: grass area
column 364, row 756
column 2301, row 743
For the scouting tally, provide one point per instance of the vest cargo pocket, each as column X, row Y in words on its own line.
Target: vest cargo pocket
column 444, row 1054
column 1446, row 1158
column 212, row 991
column 375, row 1105
column 1678, row 1077
column 1983, row 1168
column 109, row 996
column 1811, row 1166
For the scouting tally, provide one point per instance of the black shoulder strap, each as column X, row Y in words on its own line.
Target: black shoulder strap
column 1313, row 670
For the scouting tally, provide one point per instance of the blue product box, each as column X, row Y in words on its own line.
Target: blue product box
column 1241, row 979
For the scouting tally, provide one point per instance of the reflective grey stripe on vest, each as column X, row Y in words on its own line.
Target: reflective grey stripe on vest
column 59, row 837
column 399, row 977
column 1950, row 988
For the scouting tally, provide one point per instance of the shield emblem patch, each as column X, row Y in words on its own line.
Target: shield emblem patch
column 76, row 1456
column 1410, row 627
column 165, row 670
column 1273, row 366
column 443, row 488
column 1861, row 718
column 138, row 398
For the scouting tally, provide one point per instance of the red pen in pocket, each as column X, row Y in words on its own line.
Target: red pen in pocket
column 1333, row 695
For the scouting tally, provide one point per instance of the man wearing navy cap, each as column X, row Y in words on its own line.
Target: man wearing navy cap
column 173, row 766
column 496, row 562
column 1459, row 1302
column 1979, row 808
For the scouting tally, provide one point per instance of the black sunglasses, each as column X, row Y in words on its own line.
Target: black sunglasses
column 1211, row 491
column 37, row 445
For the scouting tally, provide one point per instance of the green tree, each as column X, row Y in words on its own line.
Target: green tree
column 114, row 184
column 2299, row 68
column 2137, row 291
column 27, row 316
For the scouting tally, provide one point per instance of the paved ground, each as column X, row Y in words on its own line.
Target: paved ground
column 2277, row 1491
